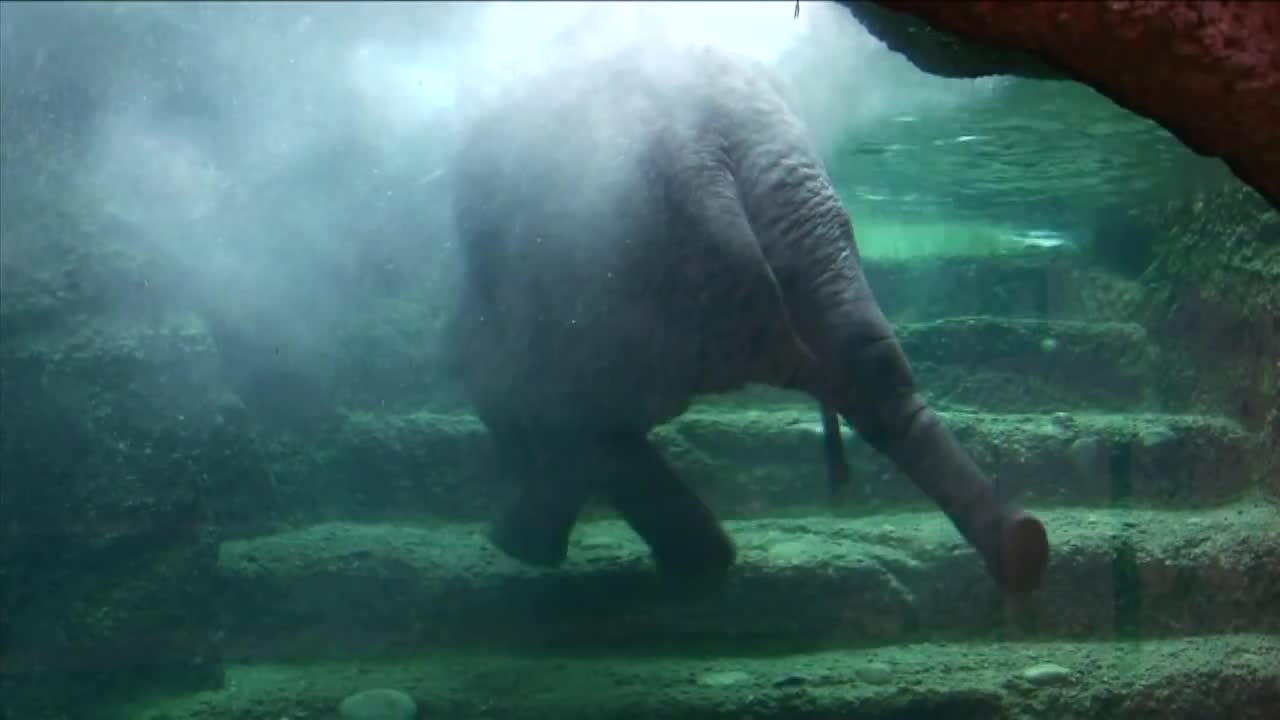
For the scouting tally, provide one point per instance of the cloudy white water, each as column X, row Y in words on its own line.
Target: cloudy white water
column 278, row 155
column 286, row 80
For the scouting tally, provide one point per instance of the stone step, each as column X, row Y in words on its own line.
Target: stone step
column 1025, row 365
column 770, row 461
column 344, row 590
column 1036, row 283
column 1012, row 365
column 758, row 463
column 1217, row 676
column 925, row 288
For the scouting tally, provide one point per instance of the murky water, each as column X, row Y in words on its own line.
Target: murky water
column 1039, row 153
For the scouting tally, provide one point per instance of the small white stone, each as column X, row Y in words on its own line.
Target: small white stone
column 1043, row 674
column 378, row 704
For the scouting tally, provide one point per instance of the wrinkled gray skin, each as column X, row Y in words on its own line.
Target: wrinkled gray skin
column 643, row 230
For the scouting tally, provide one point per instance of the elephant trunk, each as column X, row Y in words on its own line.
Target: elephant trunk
column 876, row 394
column 860, row 371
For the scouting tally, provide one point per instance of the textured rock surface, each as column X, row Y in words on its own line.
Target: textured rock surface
column 1024, row 285
column 1215, row 300
column 1033, row 365
column 109, row 440
column 376, row 589
column 87, row 627
column 1216, row 294
column 1063, row 459
column 1184, row 679
column 753, row 462
column 1025, row 365
column 1207, row 71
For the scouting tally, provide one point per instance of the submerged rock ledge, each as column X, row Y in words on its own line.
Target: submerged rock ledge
column 1185, row 679
column 345, row 590
column 768, row 461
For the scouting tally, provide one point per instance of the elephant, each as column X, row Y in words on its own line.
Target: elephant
column 649, row 228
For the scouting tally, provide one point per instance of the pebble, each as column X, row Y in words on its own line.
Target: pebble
column 1066, row 421
column 1043, row 674
column 791, row 552
column 378, row 704
column 1156, row 438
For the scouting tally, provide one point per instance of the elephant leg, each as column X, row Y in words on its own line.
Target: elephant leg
column 730, row 271
column 684, row 535
column 553, row 487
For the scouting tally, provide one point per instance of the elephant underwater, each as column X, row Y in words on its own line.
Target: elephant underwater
column 652, row 227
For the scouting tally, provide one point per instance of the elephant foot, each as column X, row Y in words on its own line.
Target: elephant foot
column 535, row 528
column 531, row 536
column 1024, row 553
column 685, row 537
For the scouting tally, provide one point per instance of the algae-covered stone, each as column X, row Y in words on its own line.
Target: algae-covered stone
column 860, row 584
column 1163, row 678
column 378, row 704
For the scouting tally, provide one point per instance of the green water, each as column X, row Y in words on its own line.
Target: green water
column 1038, row 152
column 1030, row 155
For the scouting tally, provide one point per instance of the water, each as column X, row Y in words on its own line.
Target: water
column 239, row 479
column 1035, row 150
